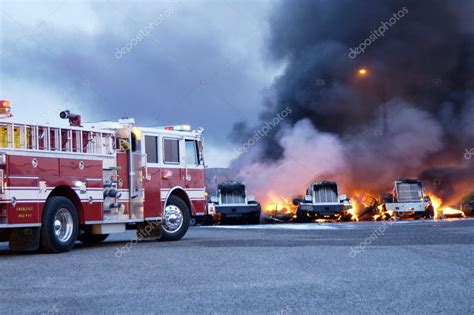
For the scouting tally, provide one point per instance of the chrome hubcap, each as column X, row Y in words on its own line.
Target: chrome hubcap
column 63, row 225
column 173, row 219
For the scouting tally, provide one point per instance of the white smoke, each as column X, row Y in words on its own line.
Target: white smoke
column 365, row 160
column 307, row 155
column 377, row 159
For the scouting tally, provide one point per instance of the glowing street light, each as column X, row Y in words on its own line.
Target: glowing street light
column 362, row 72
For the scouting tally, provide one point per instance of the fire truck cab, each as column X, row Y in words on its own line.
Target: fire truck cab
column 408, row 199
column 321, row 201
column 62, row 184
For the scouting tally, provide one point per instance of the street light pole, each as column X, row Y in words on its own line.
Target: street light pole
column 363, row 73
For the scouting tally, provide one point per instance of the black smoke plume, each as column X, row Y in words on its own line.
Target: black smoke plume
column 411, row 114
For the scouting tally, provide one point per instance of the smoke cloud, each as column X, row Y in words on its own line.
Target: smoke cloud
column 409, row 115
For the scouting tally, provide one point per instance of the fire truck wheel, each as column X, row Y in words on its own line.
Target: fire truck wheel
column 60, row 225
column 88, row 238
column 176, row 219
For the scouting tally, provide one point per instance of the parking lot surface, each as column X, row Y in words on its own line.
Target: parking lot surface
column 401, row 267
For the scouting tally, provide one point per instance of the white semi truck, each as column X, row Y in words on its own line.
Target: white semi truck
column 408, row 199
column 322, row 201
column 233, row 203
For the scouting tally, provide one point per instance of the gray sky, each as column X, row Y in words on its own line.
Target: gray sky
column 161, row 62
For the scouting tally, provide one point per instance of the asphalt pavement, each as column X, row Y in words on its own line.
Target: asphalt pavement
column 365, row 267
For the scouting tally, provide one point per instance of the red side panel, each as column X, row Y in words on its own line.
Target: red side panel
column 23, row 213
column 23, row 165
column 26, row 172
column 22, row 182
column 122, row 162
column 172, row 177
column 152, row 187
column 92, row 212
column 199, row 206
column 91, row 169
column 28, row 207
column 197, row 178
column 196, row 183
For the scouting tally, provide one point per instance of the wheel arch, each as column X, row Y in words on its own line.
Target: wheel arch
column 180, row 192
column 69, row 193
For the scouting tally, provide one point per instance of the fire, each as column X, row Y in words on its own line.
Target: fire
column 443, row 211
column 353, row 213
column 278, row 206
column 448, row 211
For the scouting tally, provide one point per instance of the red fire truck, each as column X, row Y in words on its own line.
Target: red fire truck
column 62, row 184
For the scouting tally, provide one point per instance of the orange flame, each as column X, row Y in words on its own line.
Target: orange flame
column 278, row 205
column 443, row 211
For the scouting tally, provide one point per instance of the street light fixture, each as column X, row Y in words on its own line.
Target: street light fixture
column 362, row 72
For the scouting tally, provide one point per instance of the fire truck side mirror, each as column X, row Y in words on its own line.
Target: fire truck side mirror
column 201, row 153
column 201, row 158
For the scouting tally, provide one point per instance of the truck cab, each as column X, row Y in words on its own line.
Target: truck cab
column 408, row 199
column 232, row 202
column 322, row 201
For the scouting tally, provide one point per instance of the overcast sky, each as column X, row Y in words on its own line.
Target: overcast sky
column 161, row 62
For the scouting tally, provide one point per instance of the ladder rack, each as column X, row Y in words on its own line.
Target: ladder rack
column 56, row 139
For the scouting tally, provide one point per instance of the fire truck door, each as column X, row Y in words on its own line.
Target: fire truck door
column 194, row 175
column 173, row 164
column 152, row 175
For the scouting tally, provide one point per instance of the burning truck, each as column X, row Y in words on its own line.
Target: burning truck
column 233, row 203
column 322, row 201
column 408, row 199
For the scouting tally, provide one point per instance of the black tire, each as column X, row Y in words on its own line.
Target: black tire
column 254, row 218
column 50, row 241
column 429, row 212
column 302, row 217
column 206, row 220
column 92, row 239
column 168, row 235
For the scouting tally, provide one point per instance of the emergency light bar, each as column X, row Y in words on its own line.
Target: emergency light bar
column 178, row 128
column 5, row 109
